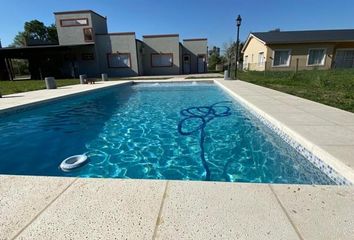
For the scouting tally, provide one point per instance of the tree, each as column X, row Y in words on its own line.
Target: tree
column 213, row 60
column 19, row 40
column 35, row 31
column 230, row 53
column 52, row 33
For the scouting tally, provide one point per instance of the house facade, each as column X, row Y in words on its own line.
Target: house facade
column 299, row 50
column 86, row 47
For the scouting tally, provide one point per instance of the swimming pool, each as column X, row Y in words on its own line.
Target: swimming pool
column 152, row 131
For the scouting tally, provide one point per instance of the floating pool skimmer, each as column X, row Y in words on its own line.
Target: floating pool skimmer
column 73, row 162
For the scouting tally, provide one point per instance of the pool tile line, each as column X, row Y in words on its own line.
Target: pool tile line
column 44, row 209
column 30, row 105
column 277, row 128
column 285, row 212
column 158, row 219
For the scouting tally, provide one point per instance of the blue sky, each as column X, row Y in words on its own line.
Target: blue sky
column 213, row 19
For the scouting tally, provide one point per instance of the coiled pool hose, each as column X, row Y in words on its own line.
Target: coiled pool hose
column 204, row 114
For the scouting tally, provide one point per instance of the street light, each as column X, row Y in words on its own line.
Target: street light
column 238, row 24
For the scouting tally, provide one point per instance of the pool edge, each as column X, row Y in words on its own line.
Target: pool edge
column 312, row 152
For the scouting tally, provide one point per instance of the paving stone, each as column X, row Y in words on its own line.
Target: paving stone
column 204, row 210
column 23, row 198
column 101, row 209
column 319, row 212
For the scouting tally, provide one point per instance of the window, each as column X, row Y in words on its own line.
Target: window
column 87, row 56
column 260, row 58
column 88, row 35
column 118, row 60
column 162, row 60
column 281, row 58
column 316, row 57
column 344, row 58
column 74, row 22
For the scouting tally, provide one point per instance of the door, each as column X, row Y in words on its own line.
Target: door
column 186, row 64
column 344, row 59
column 201, row 63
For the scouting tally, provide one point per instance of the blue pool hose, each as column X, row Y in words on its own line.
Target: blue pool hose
column 205, row 114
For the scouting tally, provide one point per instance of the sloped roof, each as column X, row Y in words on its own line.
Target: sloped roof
column 311, row 36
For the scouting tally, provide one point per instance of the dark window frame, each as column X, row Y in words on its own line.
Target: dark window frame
column 92, row 35
column 119, row 53
column 152, row 54
column 87, row 56
column 74, row 25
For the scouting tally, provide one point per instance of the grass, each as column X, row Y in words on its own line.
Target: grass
column 331, row 87
column 9, row 87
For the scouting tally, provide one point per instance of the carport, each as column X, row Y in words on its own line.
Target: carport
column 43, row 61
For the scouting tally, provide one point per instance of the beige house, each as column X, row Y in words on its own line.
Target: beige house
column 299, row 50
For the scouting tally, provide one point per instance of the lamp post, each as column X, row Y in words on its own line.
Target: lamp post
column 238, row 24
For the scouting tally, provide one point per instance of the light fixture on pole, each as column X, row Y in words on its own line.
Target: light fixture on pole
column 238, row 24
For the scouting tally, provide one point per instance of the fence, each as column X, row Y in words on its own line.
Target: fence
column 268, row 66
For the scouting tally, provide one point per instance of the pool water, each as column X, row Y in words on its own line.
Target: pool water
column 152, row 131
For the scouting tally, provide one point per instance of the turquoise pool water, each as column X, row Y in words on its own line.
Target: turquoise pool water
column 152, row 131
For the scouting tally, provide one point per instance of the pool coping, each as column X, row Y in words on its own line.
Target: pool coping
column 32, row 102
column 32, row 207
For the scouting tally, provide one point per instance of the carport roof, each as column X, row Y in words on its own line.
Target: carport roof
column 11, row 51
column 41, row 47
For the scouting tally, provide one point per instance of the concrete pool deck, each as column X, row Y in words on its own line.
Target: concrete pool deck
column 72, row 208
column 34, row 207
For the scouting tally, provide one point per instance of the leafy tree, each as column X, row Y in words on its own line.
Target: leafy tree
column 37, row 31
column 19, row 40
column 52, row 33
column 230, row 53
column 213, row 60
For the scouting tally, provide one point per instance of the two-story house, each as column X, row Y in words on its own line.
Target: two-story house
column 86, row 47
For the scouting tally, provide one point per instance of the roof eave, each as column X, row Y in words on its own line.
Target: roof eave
column 250, row 36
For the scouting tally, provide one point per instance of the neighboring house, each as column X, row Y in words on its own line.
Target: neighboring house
column 194, row 57
column 86, row 47
column 299, row 50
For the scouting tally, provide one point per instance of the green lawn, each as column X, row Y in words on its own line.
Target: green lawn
column 331, row 87
column 9, row 87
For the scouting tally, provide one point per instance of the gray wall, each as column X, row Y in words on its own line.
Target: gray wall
column 195, row 48
column 139, row 49
column 74, row 34
column 73, row 59
column 161, row 44
column 114, row 43
column 99, row 24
